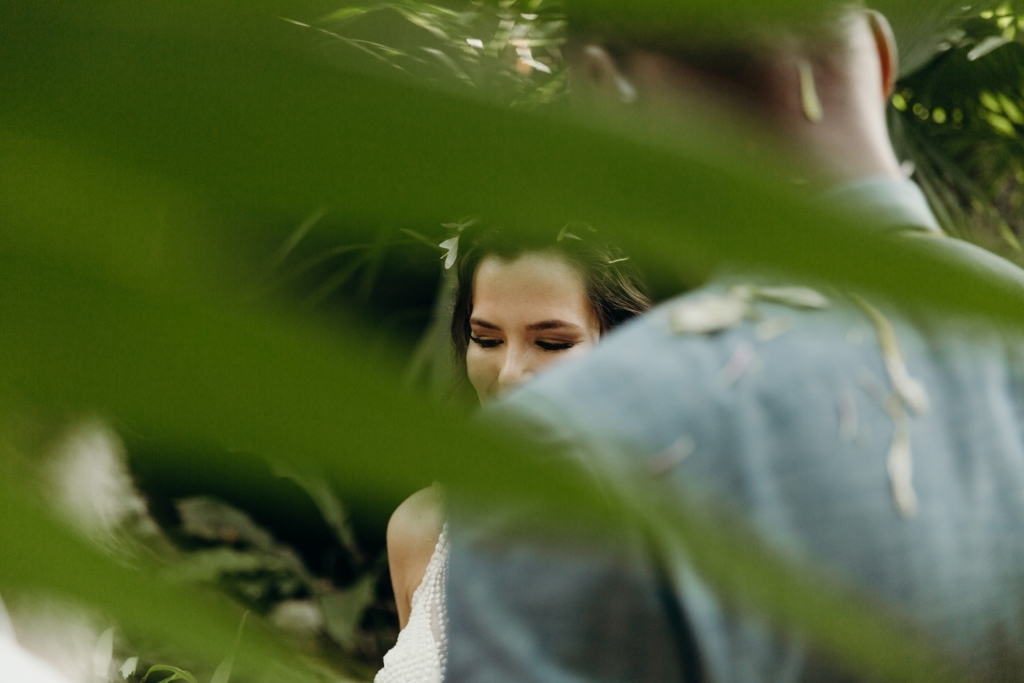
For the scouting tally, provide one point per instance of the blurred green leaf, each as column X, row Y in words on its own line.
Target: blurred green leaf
column 223, row 672
column 957, row 120
column 297, row 236
column 211, row 565
column 343, row 609
column 172, row 365
column 442, row 162
column 129, row 131
column 986, row 46
column 345, row 13
column 35, row 555
column 176, row 674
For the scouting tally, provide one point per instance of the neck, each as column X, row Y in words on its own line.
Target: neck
column 848, row 142
column 851, row 139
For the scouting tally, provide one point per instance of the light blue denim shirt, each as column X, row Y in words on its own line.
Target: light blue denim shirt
column 790, row 420
column 884, row 201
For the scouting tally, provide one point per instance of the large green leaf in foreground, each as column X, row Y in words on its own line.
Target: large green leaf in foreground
column 918, row 25
column 265, row 126
column 129, row 130
column 163, row 361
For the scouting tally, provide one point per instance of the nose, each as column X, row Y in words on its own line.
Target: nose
column 516, row 368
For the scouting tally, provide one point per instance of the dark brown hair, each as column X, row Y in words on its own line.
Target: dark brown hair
column 738, row 59
column 612, row 285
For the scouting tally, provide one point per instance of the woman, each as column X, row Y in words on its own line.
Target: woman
column 518, row 309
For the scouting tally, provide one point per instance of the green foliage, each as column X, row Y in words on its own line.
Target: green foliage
column 959, row 119
column 133, row 137
column 508, row 49
column 176, row 674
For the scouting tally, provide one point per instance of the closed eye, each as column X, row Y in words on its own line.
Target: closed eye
column 487, row 342
column 555, row 346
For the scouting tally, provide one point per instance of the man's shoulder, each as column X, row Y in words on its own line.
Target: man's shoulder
column 699, row 356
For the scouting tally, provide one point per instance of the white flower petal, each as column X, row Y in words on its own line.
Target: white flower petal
column 452, row 247
column 795, row 297
column 709, row 314
column 103, row 653
column 539, row 66
column 129, row 666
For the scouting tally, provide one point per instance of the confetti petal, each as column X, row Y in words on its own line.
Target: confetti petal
column 911, row 391
column 772, row 328
column 900, row 464
column 673, row 456
column 795, row 297
column 709, row 314
column 742, row 360
column 849, row 424
column 809, row 94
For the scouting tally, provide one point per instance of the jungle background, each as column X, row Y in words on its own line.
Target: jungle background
column 224, row 334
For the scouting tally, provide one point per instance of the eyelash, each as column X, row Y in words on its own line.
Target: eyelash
column 554, row 346
column 545, row 345
column 485, row 343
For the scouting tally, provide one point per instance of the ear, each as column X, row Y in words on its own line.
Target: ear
column 603, row 75
column 888, row 55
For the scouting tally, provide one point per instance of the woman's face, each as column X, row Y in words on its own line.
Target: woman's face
column 527, row 313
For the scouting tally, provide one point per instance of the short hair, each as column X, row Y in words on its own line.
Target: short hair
column 735, row 55
column 686, row 32
column 613, row 286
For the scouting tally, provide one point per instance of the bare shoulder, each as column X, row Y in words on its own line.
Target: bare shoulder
column 413, row 531
column 419, row 519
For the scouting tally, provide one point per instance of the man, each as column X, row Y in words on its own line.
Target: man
column 881, row 447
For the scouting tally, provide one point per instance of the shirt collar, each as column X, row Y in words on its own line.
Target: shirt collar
column 887, row 201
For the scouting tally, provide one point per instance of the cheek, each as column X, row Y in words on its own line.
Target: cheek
column 581, row 348
column 545, row 359
column 481, row 368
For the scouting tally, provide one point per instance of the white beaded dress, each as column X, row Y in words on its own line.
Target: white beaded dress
column 420, row 653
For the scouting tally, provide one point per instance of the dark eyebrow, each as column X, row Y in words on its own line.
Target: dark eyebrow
column 552, row 325
column 483, row 323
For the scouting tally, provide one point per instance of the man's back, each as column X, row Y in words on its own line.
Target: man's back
column 885, row 449
column 808, row 422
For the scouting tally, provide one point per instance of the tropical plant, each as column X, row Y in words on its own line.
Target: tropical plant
column 958, row 119
column 135, row 139
column 507, row 49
